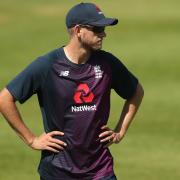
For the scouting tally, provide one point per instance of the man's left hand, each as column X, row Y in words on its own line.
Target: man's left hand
column 109, row 137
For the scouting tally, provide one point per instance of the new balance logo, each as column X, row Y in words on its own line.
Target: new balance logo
column 64, row 73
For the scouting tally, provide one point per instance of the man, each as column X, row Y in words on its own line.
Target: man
column 73, row 85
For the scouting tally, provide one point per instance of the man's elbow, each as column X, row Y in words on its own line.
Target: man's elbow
column 5, row 97
column 140, row 91
column 1, row 100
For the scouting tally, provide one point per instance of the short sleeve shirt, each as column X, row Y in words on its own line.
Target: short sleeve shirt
column 75, row 99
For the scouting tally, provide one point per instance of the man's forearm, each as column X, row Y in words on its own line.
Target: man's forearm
column 11, row 114
column 129, row 110
column 45, row 141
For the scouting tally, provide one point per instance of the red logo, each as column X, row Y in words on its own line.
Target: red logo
column 83, row 94
column 97, row 8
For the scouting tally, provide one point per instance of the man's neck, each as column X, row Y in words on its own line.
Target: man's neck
column 76, row 54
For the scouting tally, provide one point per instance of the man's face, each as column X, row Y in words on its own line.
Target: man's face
column 91, row 37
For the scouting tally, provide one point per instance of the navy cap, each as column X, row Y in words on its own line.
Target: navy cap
column 88, row 14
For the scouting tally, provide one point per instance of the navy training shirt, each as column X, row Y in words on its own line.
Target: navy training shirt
column 75, row 99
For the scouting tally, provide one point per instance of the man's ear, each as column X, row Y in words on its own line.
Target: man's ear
column 77, row 31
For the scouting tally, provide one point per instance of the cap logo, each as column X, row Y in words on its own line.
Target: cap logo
column 98, row 10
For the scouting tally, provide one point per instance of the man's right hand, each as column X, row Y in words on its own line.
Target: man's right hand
column 48, row 142
column 11, row 113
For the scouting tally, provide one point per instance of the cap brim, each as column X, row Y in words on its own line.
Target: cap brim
column 105, row 22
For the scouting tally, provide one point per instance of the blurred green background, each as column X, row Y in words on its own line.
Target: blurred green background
column 146, row 40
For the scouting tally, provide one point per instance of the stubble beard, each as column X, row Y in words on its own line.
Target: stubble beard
column 94, row 47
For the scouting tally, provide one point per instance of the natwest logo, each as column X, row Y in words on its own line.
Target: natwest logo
column 83, row 94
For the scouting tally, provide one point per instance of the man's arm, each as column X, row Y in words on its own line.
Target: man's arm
column 10, row 112
column 129, row 110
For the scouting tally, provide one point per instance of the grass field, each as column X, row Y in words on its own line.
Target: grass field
column 147, row 41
